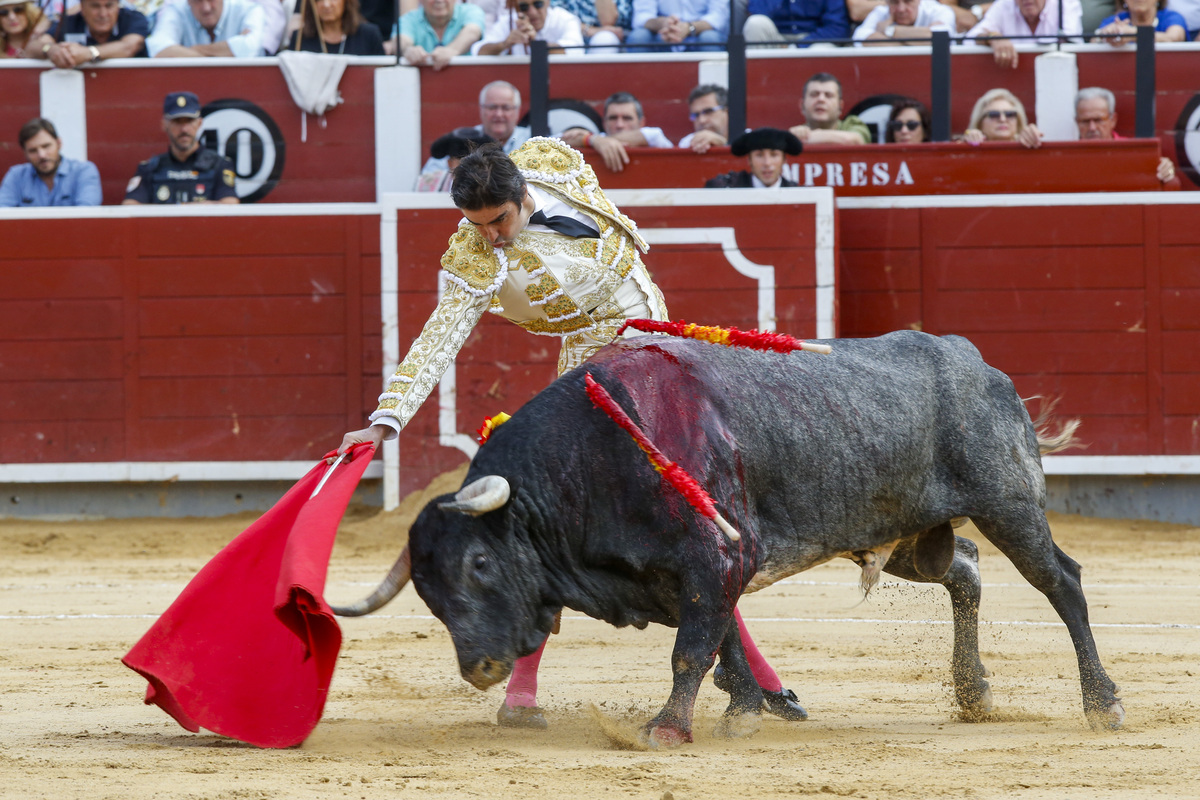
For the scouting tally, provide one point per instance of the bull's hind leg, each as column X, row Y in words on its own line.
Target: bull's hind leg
column 961, row 580
column 743, row 716
column 1024, row 536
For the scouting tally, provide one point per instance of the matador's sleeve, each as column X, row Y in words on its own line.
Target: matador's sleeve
column 433, row 352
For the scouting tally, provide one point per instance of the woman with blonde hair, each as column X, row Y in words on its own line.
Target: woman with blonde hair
column 999, row 116
column 18, row 19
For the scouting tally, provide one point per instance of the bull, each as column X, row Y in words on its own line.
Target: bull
column 869, row 453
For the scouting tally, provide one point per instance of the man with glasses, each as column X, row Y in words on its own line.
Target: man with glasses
column 1096, row 117
column 532, row 20
column 438, row 31
column 624, row 126
column 708, row 109
column 499, row 110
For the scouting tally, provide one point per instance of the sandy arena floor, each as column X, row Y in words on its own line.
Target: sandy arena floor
column 874, row 676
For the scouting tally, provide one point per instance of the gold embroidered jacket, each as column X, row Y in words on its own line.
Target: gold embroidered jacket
column 549, row 284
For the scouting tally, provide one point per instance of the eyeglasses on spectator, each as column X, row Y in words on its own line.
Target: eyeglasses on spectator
column 999, row 114
column 497, row 107
column 704, row 112
column 4, row 12
column 901, row 124
column 523, row 7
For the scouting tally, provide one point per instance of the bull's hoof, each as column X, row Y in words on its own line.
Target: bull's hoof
column 661, row 737
column 976, row 704
column 738, row 726
column 529, row 717
column 785, row 705
column 1107, row 719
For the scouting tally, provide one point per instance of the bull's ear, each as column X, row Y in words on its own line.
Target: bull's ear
column 479, row 497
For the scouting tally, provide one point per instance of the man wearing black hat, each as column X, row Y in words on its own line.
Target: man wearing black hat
column 766, row 150
column 187, row 172
column 452, row 148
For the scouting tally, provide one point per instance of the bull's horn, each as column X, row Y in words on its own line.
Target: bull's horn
column 479, row 497
column 396, row 580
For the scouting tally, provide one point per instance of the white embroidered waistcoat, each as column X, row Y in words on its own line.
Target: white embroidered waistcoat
column 581, row 290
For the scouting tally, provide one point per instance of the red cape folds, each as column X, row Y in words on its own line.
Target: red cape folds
column 248, row 649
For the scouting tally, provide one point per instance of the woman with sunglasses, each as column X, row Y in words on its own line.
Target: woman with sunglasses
column 529, row 20
column 17, row 21
column 998, row 116
column 908, row 123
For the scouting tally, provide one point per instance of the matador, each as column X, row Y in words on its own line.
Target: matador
column 542, row 246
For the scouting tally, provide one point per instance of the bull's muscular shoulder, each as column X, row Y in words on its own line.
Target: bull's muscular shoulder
column 469, row 257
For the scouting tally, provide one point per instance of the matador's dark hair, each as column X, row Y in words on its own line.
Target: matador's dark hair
column 486, row 178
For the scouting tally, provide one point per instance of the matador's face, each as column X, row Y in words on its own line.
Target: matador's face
column 499, row 225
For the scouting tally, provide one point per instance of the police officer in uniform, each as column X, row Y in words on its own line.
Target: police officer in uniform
column 187, row 172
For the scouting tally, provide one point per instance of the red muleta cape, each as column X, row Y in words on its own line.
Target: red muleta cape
column 247, row 650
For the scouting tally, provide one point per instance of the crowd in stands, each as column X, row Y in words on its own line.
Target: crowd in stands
column 432, row 32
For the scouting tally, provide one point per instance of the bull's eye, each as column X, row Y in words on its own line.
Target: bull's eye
column 480, row 563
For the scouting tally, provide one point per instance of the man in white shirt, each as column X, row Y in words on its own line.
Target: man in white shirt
column 1024, row 18
column 624, row 126
column 708, row 109
column 905, row 22
column 531, row 20
column 208, row 28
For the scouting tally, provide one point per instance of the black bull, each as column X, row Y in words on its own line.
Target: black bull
column 809, row 456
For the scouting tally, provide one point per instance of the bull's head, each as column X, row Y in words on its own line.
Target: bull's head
column 481, row 578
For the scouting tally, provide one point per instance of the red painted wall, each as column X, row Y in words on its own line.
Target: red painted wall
column 185, row 338
column 1095, row 305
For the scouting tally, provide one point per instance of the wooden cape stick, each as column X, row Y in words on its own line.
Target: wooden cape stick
column 676, row 475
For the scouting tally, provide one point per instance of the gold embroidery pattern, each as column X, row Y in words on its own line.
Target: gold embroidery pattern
column 558, row 327
column 469, row 257
column 432, row 353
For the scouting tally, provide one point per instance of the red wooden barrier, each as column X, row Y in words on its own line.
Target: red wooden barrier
column 1093, row 303
column 186, row 338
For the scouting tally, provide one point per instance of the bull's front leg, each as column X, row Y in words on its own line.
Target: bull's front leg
column 701, row 632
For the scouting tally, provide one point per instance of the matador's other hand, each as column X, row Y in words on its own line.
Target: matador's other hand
column 373, row 434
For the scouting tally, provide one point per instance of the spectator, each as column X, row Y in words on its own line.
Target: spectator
column 1169, row 26
column 187, row 172
column 905, row 22
column 708, row 109
column 624, row 126
column 48, row 179
column 680, row 24
column 998, row 116
column 908, row 123
column 605, row 22
column 100, row 30
column 1096, row 117
column 766, row 150
column 531, row 20
column 499, row 110
column 787, row 21
column 18, row 20
column 438, row 31
column 202, row 28
column 337, row 26
column 1190, row 9
column 1024, row 18
column 451, row 148
column 822, row 108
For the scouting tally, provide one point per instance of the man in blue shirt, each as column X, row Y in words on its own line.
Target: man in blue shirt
column 796, row 21
column 201, row 28
column 48, row 179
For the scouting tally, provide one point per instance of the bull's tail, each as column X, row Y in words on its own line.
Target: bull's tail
column 396, row 580
column 1054, row 436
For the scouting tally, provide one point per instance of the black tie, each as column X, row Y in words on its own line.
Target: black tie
column 564, row 225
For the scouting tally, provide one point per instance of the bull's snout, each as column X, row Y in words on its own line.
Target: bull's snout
column 486, row 672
